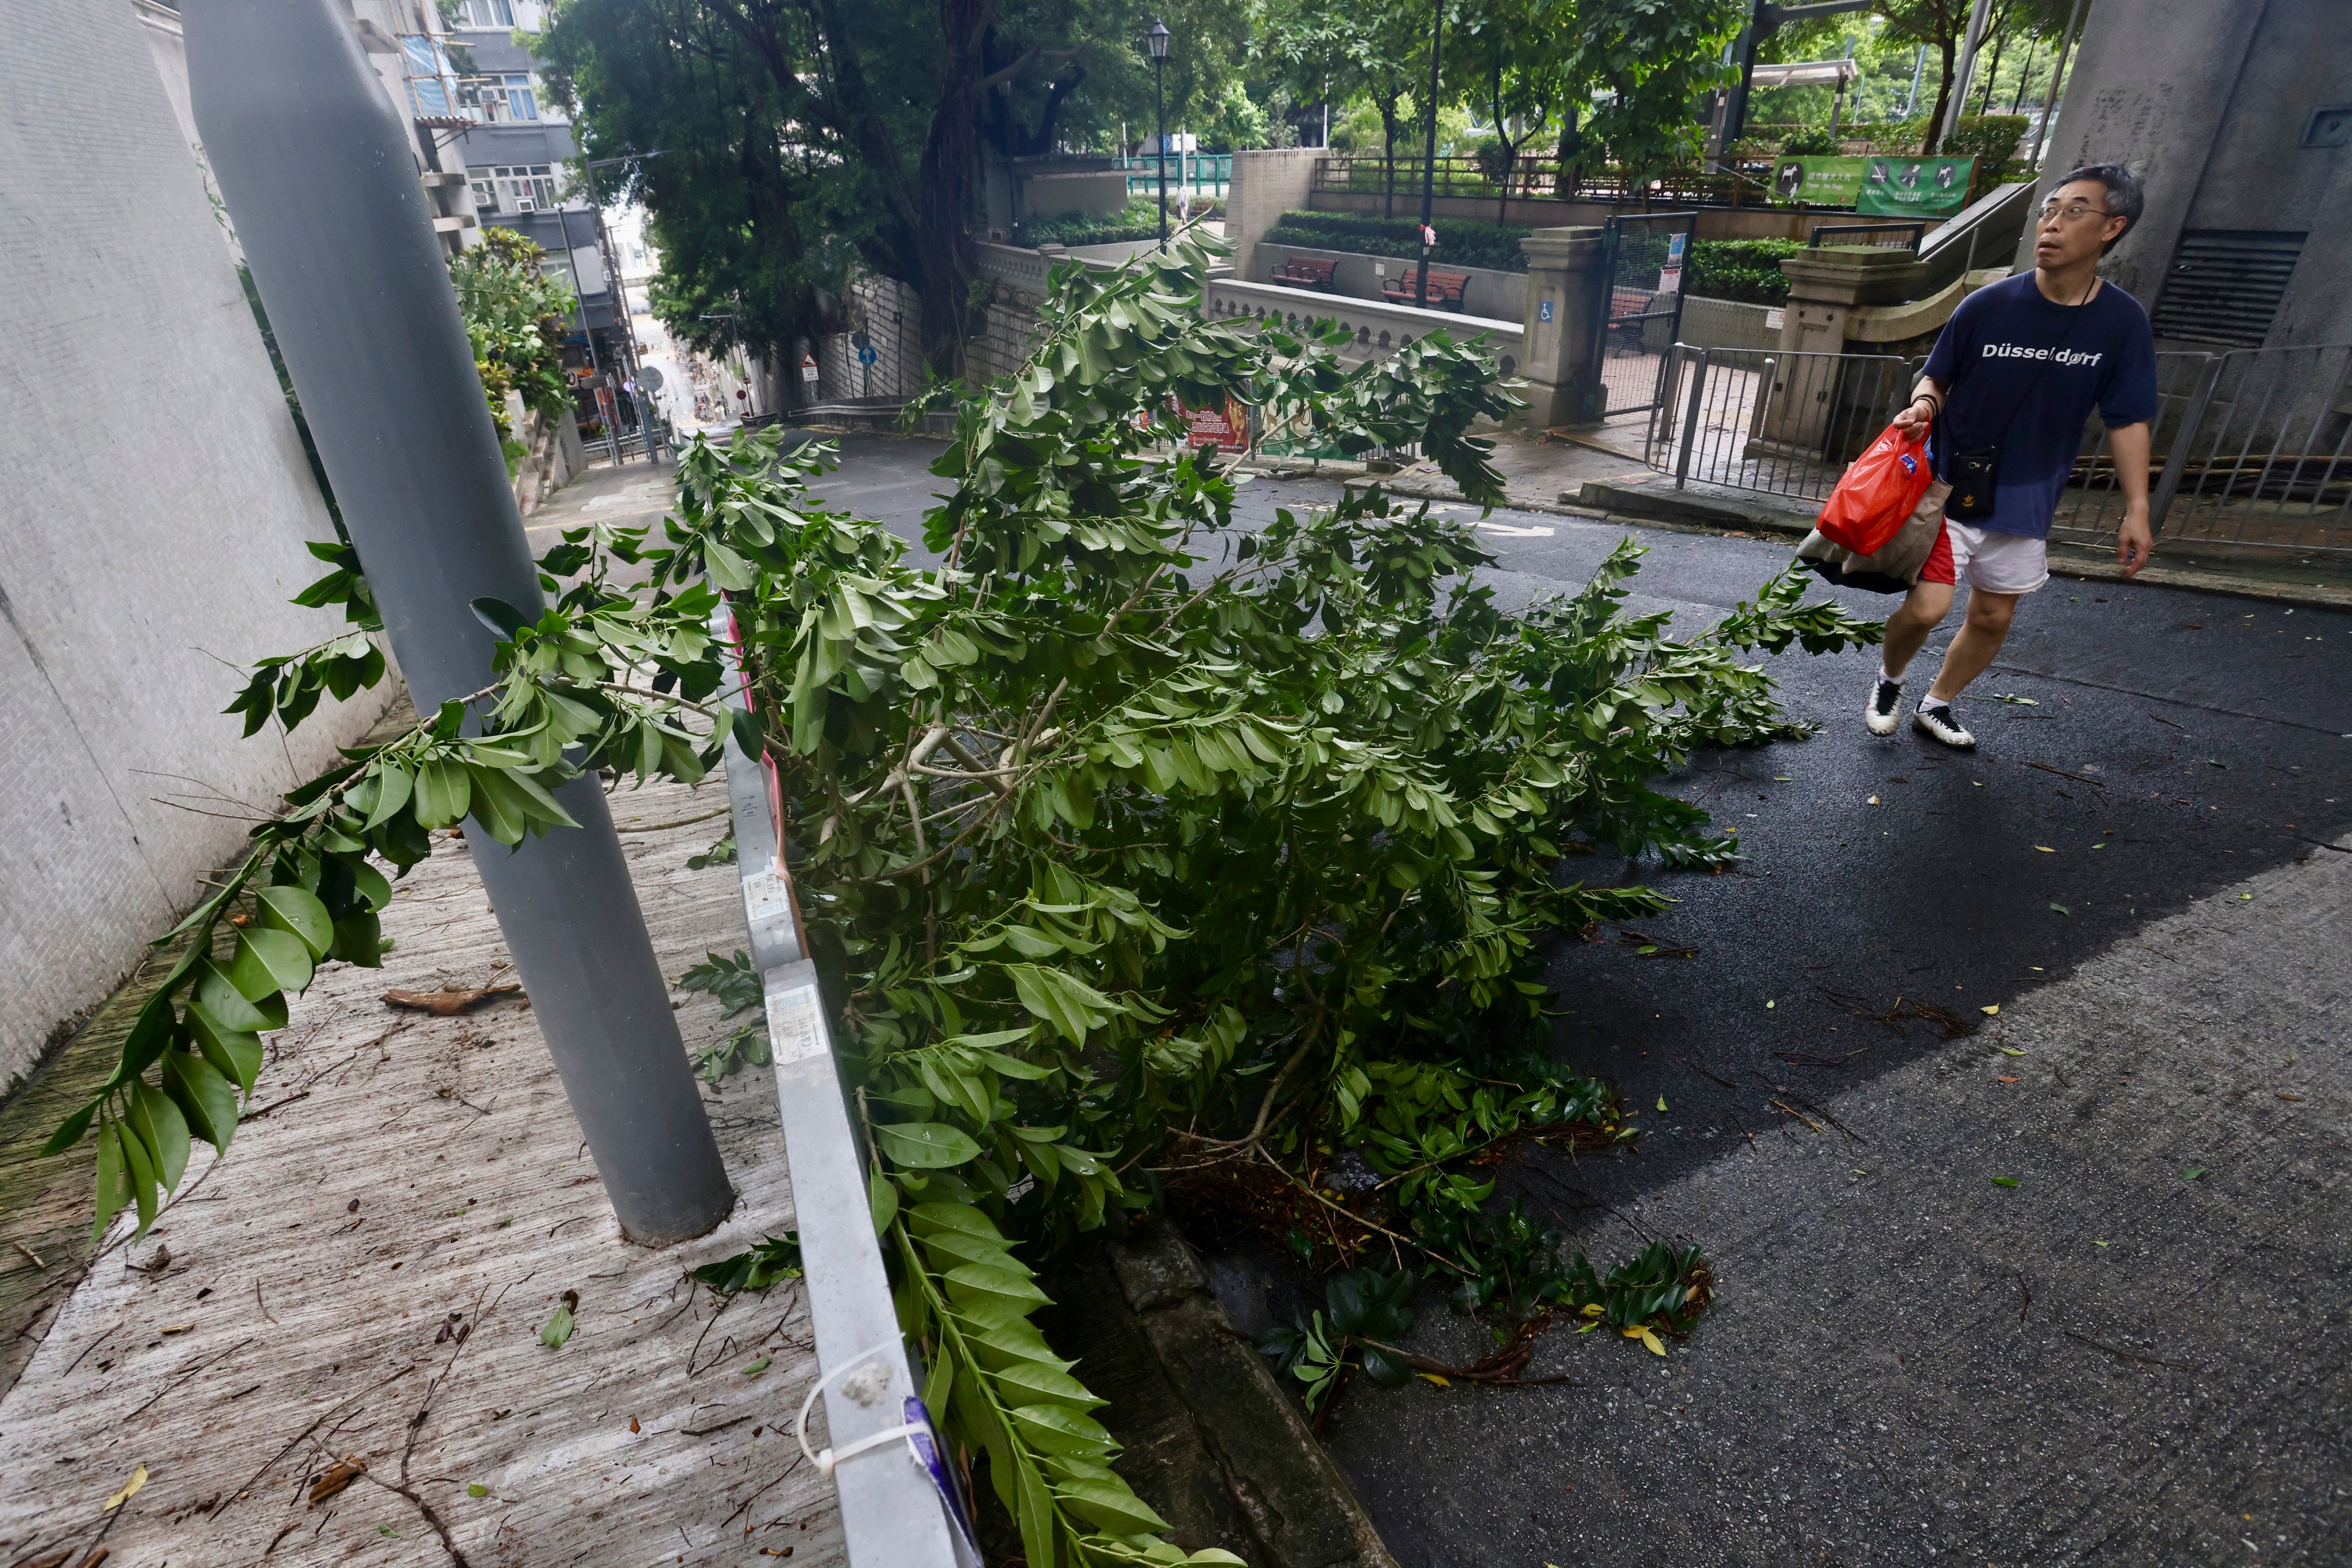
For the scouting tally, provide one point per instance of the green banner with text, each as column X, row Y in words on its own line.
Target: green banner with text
column 1879, row 188
column 1914, row 187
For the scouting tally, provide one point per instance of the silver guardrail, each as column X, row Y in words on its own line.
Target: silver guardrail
column 2252, row 448
column 892, row 1514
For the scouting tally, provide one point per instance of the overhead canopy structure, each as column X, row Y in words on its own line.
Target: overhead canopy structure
column 1805, row 73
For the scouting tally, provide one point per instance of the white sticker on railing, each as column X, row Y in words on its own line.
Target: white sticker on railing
column 766, row 897
column 795, row 1028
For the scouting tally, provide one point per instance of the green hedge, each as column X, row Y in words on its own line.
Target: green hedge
column 1139, row 220
column 1461, row 241
column 1743, row 270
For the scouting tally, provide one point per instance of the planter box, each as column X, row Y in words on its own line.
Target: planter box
column 1496, row 296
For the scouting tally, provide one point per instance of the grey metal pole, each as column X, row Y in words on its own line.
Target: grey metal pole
column 2057, row 80
column 1429, row 154
column 321, row 184
column 1970, row 42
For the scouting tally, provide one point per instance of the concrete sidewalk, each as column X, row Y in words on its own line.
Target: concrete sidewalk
column 366, row 1275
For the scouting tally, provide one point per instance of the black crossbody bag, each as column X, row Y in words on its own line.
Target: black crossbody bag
column 1976, row 471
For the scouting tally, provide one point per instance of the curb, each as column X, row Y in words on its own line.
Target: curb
column 1211, row 1441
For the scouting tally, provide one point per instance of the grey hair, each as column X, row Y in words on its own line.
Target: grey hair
column 2125, row 198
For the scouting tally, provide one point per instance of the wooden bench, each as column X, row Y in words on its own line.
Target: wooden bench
column 1444, row 287
column 1306, row 272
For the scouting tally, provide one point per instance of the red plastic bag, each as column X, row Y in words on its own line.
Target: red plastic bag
column 1877, row 493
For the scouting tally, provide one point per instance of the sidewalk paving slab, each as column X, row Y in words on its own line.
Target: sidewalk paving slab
column 367, row 1273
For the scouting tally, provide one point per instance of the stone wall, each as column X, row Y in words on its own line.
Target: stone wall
column 158, row 503
column 2207, row 101
column 1267, row 182
column 1497, row 296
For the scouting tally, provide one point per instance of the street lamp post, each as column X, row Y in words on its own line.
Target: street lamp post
column 1158, row 41
column 1429, row 157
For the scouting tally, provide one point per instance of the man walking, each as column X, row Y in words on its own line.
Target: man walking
column 2006, row 393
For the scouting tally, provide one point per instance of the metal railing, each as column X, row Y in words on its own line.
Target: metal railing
column 891, row 1513
column 2252, row 447
column 1780, row 422
column 1200, row 172
column 1534, row 174
column 1869, row 234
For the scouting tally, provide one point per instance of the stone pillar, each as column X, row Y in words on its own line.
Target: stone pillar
column 1267, row 182
column 1563, row 311
column 1826, row 286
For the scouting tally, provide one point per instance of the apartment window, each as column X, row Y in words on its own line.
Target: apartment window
column 487, row 14
column 526, row 187
column 498, row 99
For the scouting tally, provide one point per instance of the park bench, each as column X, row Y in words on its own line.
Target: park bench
column 1304, row 272
column 1444, row 287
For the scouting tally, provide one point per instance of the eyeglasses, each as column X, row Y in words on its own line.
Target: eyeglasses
column 2075, row 214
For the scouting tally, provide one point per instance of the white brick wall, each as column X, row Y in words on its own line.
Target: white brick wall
column 154, row 504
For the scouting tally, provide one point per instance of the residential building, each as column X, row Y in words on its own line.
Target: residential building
column 521, row 159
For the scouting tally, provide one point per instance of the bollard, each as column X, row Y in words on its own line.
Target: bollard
column 319, row 176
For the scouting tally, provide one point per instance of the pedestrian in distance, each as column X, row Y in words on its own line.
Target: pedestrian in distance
column 2006, row 393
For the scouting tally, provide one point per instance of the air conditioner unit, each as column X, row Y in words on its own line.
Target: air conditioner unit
column 525, row 204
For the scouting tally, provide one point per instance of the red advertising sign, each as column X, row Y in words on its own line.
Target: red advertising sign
column 1226, row 428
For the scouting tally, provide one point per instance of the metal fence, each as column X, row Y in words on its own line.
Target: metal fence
column 2252, row 448
column 1204, row 174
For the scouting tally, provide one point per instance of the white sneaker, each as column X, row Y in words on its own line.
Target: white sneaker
column 1945, row 726
column 1885, row 708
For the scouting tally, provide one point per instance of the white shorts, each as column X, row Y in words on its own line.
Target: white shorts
column 1996, row 563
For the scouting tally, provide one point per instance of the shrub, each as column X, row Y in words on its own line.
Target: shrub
column 1811, row 142
column 1992, row 140
column 1461, row 241
column 515, row 319
column 1743, row 270
column 1139, row 219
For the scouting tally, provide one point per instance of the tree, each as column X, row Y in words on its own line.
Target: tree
column 1506, row 57
column 1656, row 59
column 800, row 136
column 514, row 316
column 1943, row 25
column 1320, row 47
column 1145, row 854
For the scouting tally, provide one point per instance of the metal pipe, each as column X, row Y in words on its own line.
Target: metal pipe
column 1971, row 43
column 1429, row 162
column 321, row 184
column 1690, row 419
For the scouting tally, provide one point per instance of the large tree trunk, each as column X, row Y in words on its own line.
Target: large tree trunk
column 946, row 186
column 1943, row 94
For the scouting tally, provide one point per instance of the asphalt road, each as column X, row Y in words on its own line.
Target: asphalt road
column 2110, row 1360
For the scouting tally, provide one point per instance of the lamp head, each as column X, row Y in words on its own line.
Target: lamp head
column 1158, row 39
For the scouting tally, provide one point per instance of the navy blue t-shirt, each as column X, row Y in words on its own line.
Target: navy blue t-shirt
column 2007, row 351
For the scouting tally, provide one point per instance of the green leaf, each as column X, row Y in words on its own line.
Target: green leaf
column 928, row 1218
column 882, row 1197
column 993, row 1283
column 70, row 1131
column 925, row 1145
column 394, row 783
column 113, row 1180
column 1111, row 1505
column 1059, row 1431
column 205, row 1096
column 267, row 963
column 497, row 805
column 443, row 794
column 235, row 1055
column 2004, row 1180
column 558, row 1329
column 298, row 911
column 159, row 1123
column 1030, row 1383
column 359, row 939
